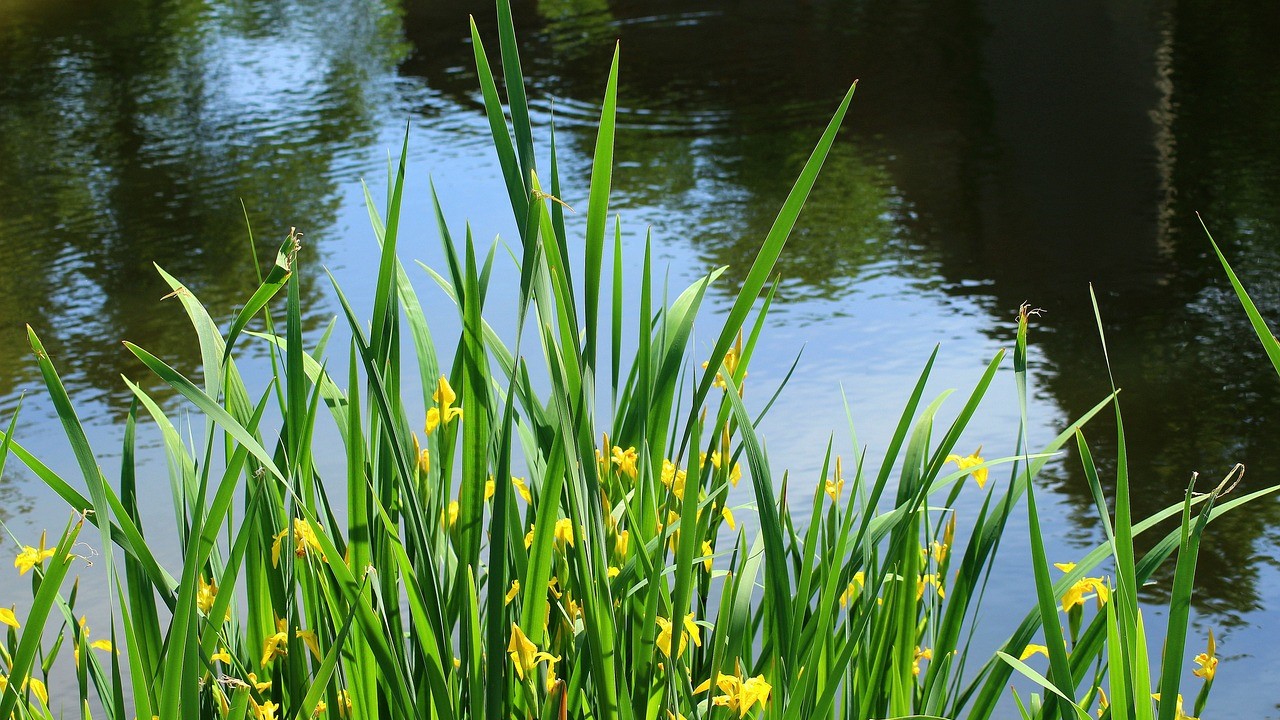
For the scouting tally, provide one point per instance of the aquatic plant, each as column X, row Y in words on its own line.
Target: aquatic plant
column 522, row 550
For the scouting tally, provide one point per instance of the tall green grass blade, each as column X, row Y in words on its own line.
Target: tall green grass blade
column 615, row 344
column 385, row 294
column 779, row 580
column 206, row 405
column 275, row 280
column 1075, row 710
column 598, row 210
column 79, row 447
column 1180, row 600
column 1260, row 327
column 513, row 76
column 771, row 248
column 512, row 173
column 320, row 680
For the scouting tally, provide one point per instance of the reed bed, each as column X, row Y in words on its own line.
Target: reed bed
column 527, row 549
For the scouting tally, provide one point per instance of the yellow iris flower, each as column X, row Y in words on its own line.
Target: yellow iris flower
column 564, row 531
column 855, row 587
column 688, row 631
column 718, row 459
column 9, row 617
column 263, row 686
column 673, row 478
column 38, row 689
column 551, row 675
column 731, row 359
column 265, row 711
column 1075, row 595
column 522, row 488
column 206, row 596
column 938, row 550
column 1033, row 649
column 1208, row 661
column 344, row 703
column 969, row 461
column 625, row 461
column 304, row 542
column 925, row 654
column 929, row 579
column 835, row 485
column 738, row 695
column 30, row 557
column 1179, row 713
column 446, row 412
column 308, row 638
column 423, row 456
column 727, row 514
column 524, row 654
column 276, row 645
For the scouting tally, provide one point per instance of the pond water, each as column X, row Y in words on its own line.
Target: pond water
column 996, row 152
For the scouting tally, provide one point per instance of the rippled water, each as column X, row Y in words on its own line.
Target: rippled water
column 996, row 152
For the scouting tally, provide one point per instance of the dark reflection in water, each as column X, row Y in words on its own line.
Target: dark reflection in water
column 130, row 133
column 998, row 151
column 1005, row 151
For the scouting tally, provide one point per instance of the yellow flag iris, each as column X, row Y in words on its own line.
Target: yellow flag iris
column 524, row 654
column 445, row 413
column 970, row 461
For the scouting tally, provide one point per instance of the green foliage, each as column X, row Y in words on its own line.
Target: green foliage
column 611, row 579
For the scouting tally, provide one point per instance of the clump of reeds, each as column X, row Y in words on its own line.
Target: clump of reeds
column 525, row 553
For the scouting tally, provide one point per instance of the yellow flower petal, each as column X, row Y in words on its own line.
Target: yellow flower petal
column 308, row 637
column 31, row 557
column 925, row 654
column 39, row 690
column 727, row 514
column 625, row 461
column 522, row 488
column 835, row 485
column 970, row 461
column 1030, row 650
column 1208, row 661
column 564, row 531
column 274, row 646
